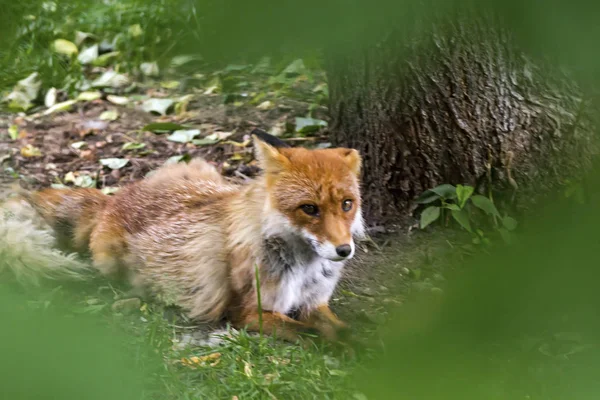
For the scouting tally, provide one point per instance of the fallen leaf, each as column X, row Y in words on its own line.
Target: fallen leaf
column 111, row 79
column 81, row 37
column 162, row 127
column 50, row 98
column 85, row 181
column 159, row 106
column 109, row 115
column 69, row 177
column 114, row 163
column 202, row 360
column 133, row 146
column 149, row 69
column 183, row 136
column 177, row 159
column 110, row 190
column 118, row 100
column 204, row 141
column 88, row 55
column 58, row 107
column 104, row 59
column 94, row 125
column 30, row 151
column 278, row 129
column 266, row 105
column 87, row 154
column 78, row 145
column 213, row 87
column 307, row 125
column 89, row 96
column 24, row 93
column 182, row 103
column 170, row 84
column 63, row 46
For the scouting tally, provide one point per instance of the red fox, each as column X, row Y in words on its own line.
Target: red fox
column 187, row 233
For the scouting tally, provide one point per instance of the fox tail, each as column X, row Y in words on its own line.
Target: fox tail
column 42, row 232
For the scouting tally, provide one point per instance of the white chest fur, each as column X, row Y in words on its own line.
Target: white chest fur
column 305, row 280
column 307, row 286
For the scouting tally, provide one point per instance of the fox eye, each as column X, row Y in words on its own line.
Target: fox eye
column 310, row 209
column 347, row 205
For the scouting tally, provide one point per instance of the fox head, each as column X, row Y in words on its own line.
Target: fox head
column 315, row 194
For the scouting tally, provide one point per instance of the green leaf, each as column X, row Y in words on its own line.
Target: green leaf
column 462, row 217
column 429, row 215
column 65, row 47
column 135, row 30
column 446, row 191
column 427, row 197
column 509, row 223
column 114, row 163
column 296, row 67
column 485, row 204
column 452, row 206
column 306, row 125
column 183, row 136
column 133, row 146
column 162, row 127
column 159, row 106
column 105, row 59
column 505, row 234
column 463, row 193
column 170, row 84
column 13, row 132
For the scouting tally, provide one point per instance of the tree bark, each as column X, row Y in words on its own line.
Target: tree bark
column 457, row 104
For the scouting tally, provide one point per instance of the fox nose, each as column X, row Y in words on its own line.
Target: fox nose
column 343, row 250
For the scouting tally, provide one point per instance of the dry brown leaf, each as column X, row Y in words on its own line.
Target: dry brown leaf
column 195, row 361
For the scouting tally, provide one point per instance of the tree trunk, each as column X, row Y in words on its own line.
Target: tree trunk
column 457, row 104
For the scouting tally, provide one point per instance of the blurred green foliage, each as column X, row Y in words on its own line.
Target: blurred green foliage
column 47, row 354
column 519, row 323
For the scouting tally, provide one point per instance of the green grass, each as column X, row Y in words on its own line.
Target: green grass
column 249, row 366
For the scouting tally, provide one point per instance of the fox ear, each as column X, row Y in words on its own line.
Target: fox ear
column 352, row 158
column 269, row 158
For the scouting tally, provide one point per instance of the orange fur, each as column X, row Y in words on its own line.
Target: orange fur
column 186, row 233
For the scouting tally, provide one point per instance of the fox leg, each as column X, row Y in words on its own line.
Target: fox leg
column 273, row 322
column 107, row 248
column 325, row 321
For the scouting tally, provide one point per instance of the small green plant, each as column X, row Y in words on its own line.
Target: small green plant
column 466, row 209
